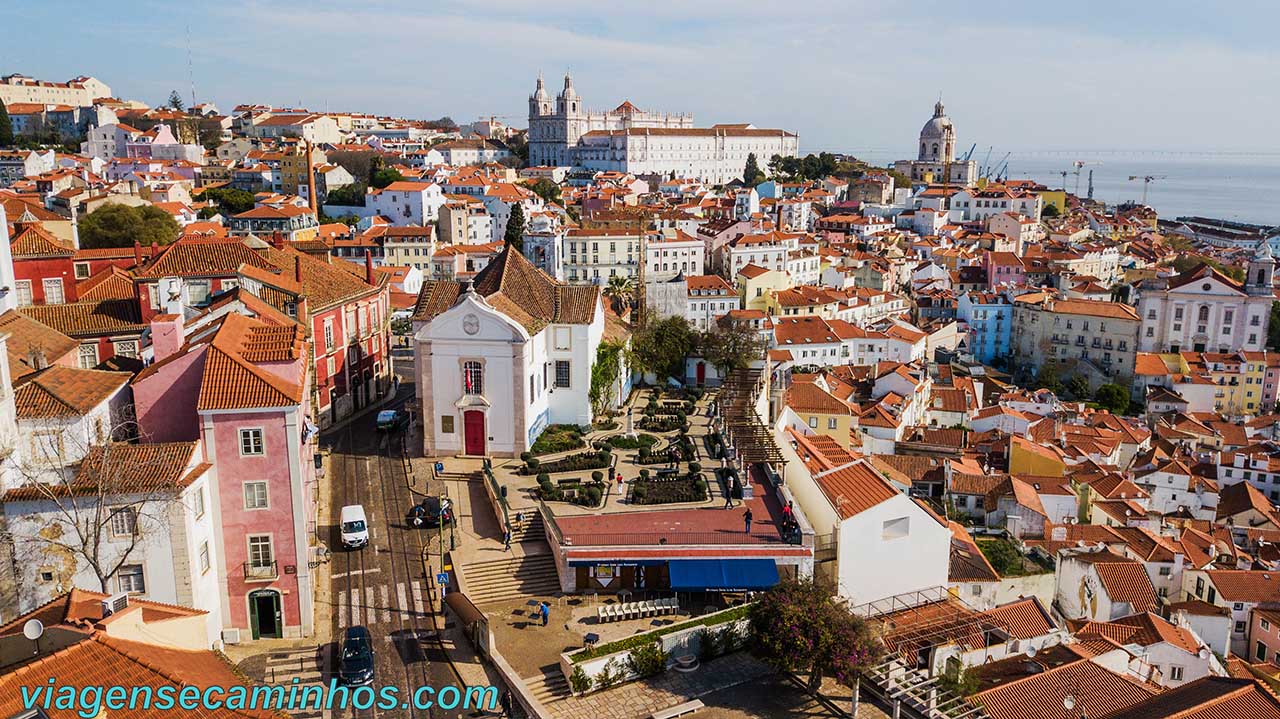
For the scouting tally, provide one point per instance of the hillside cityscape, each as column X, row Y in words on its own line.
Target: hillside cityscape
column 609, row 412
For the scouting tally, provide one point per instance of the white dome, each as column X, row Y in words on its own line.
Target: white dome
column 938, row 126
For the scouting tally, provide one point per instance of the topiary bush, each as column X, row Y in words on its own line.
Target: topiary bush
column 525, row 457
column 695, row 467
column 597, row 475
column 593, row 495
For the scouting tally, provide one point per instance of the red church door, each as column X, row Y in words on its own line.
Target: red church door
column 702, row 373
column 473, row 432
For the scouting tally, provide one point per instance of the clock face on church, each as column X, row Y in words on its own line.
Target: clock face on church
column 471, row 324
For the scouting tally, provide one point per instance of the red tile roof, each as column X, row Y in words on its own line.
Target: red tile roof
column 66, row 392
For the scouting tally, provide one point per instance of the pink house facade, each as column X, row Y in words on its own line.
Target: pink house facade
column 1004, row 268
column 241, row 385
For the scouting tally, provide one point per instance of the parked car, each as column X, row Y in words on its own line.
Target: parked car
column 355, row 526
column 392, row 420
column 431, row 512
column 355, row 668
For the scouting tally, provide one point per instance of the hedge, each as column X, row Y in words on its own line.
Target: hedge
column 712, row 620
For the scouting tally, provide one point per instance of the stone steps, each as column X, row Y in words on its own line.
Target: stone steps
column 549, row 687
column 498, row 580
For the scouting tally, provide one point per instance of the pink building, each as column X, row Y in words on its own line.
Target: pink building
column 1004, row 268
column 241, row 385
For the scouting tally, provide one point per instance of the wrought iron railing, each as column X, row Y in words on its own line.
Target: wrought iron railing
column 259, row 569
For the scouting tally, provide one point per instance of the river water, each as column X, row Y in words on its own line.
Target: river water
column 1230, row 186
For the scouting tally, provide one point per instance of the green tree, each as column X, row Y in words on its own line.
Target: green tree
column 384, row 176
column 620, row 289
column 175, row 101
column 751, row 174
column 1050, row 211
column 800, row 627
column 514, row 236
column 348, row 195
column 661, row 347
column 731, row 345
column 604, row 376
column 547, row 190
column 1273, row 329
column 230, row 201
column 1113, row 397
column 115, row 225
column 1078, row 387
column 6, row 127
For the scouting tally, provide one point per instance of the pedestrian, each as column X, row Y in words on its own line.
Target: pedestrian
column 746, row 518
column 786, row 513
column 506, row 703
column 519, row 519
column 728, row 496
column 619, row 481
column 506, row 540
column 546, row 613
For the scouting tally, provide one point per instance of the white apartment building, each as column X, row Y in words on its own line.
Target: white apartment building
column 676, row 253
column 709, row 297
column 407, row 202
column 595, row 255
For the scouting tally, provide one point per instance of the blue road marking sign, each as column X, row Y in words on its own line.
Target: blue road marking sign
column 442, row 578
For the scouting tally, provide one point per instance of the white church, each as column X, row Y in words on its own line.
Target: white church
column 499, row 359
column 640, row 142
column 936, row 161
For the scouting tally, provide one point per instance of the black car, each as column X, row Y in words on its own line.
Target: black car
column 431, row 512
column 355, row 668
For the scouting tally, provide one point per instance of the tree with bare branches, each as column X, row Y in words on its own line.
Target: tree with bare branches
column 92, row 517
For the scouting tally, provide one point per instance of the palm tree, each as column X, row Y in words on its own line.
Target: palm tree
column 619, row 291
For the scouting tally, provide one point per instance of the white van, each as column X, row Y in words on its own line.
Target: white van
column 355, row 527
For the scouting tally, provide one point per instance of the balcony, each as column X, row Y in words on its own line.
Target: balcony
column 260, row 570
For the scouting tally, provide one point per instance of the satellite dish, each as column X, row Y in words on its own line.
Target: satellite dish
column 33, row 629
column 1031, row 652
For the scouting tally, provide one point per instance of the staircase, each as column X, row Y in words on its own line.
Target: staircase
column 500, row 580
column 531, row 530
column 550, row 686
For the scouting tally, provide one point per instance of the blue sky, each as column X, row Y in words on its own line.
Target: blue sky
column 845, row 74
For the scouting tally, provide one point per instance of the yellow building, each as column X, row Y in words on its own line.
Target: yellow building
column 757, row 285
column 1027, row 457
column 821, row 411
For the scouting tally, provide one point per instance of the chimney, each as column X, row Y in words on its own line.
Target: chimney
column 137, row 253
column 155, row 249
column 297, row 269
column 301, row 311
column 36, row 358
column 368, row 268
column 166, row 335
column 277, row 239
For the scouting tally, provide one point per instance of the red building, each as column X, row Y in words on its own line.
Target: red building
column 344, row 307
column 42, row 266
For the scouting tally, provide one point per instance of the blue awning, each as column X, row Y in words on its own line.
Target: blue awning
column 727, row 575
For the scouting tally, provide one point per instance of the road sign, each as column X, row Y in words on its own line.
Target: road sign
column 442, row 578
column 439, row 466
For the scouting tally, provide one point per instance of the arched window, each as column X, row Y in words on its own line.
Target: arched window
column 1204, row 313
column 935, row 149
column 473, row 377
column 1262, row 277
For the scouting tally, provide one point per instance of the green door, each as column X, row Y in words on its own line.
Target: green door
column 264, row 614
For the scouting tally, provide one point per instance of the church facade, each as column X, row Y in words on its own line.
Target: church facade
column 499, row 359
column 1203, row 310
column 628, row 139
column 936, row 162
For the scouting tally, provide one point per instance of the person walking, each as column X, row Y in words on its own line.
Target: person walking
column 746, row 519
column 728, row 496
column 506, row 704
column 786, row 512
column 545, row 610
column 506, row 539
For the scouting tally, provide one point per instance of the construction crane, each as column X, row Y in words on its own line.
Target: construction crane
column 1003, row 162
column 983, row 168
column 1146, row 181
column 1078, row 165
column 969, row 154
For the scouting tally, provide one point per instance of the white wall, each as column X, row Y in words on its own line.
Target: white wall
column 871, row 567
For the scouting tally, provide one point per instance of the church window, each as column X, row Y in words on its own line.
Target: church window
column 1204, row 313
column 1177, row 313
column 473, row 377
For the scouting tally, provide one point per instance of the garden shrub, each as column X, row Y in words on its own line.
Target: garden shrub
column 579, row 681
column 647, row 659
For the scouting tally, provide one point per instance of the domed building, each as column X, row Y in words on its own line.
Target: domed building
column 938, row 137
column 936, row 162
